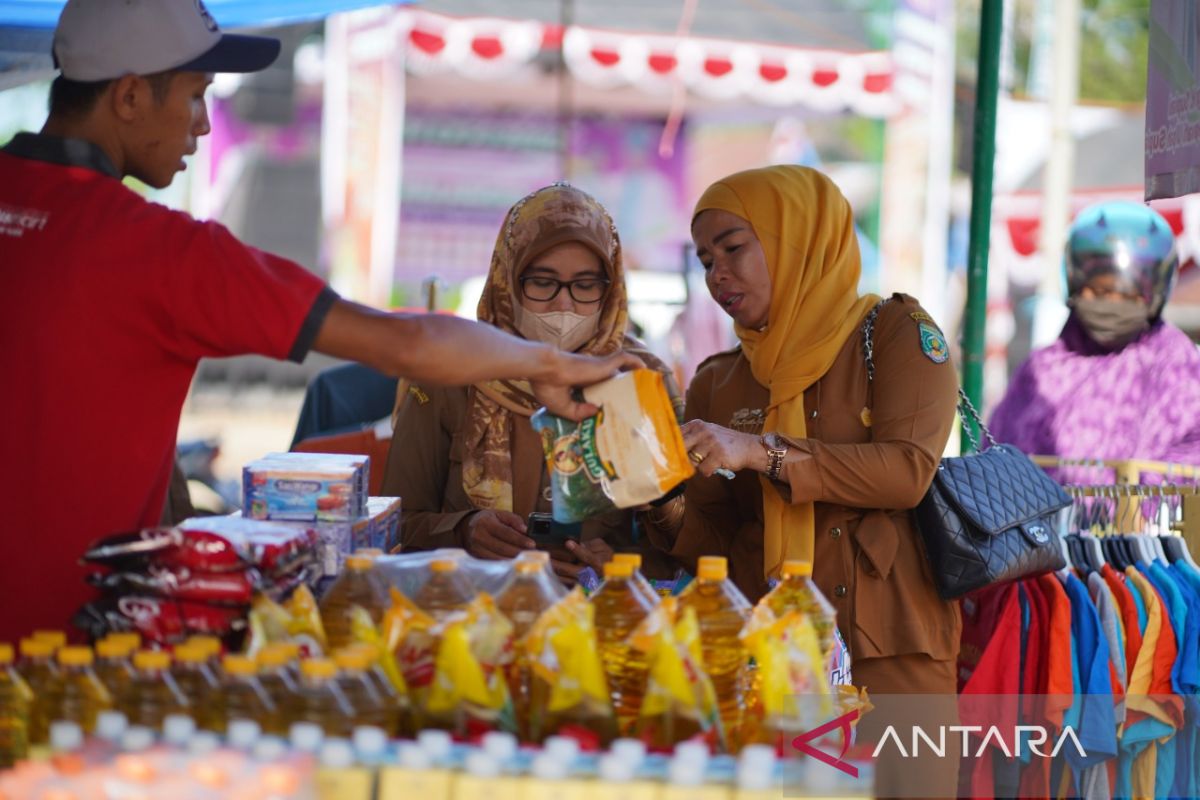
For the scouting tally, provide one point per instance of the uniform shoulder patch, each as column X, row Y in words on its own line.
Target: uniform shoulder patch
column 933, row 343
column 921, row 316
column 418, row 394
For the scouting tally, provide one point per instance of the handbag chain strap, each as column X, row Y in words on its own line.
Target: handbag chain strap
column 965, row 407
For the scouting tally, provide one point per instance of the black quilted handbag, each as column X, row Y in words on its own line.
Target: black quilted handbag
column 988, row 517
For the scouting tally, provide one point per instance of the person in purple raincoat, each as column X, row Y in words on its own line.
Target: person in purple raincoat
column 1120, row 382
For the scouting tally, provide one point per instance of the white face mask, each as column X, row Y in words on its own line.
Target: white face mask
column 563, row 329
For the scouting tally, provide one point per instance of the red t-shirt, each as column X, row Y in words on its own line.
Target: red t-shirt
column 112, row 301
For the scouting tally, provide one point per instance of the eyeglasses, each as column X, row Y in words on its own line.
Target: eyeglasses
column 582, row 290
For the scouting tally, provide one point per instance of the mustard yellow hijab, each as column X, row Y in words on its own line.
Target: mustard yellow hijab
column 806, row 229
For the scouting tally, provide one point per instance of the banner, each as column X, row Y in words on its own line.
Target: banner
column 1173, row 100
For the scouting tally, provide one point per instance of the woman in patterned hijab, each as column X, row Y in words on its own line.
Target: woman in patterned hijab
column 556, row 276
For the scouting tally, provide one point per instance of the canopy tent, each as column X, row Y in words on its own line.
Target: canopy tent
column 26, row 27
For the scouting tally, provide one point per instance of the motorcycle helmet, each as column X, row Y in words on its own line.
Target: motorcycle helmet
column 1129, row 240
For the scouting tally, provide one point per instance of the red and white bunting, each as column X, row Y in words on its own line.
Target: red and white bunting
column 488, row 48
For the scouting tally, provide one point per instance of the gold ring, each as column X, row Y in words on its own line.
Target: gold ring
column 694, row 456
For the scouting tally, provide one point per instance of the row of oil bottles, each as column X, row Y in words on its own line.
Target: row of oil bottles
column 630, row 624
column 53, row 682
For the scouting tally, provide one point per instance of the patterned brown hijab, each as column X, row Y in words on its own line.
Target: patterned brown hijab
column 544, row 219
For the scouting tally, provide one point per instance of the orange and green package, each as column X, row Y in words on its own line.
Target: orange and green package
column 469, row 693
column 569, row 694
column 629, row 454
column 791, row 689
column 680, row 703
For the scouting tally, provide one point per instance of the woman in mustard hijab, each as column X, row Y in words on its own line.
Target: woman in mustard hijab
column 830, row 456
column 466, row 462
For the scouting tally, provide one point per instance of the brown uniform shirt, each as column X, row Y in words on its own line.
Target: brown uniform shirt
column 864, row 479
column 424, row 470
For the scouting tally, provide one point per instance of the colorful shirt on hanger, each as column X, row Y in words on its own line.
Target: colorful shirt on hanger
column 1129, row 616
column 1092, row 709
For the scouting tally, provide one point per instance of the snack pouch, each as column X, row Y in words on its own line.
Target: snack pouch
column 627, row 455
column 304, row 623
column 791, row 687
column 363, row 630
column 570, row 688
column 158, row 619
column 469, row 693
column 680, row 702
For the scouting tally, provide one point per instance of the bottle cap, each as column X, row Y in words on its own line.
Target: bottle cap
column 801, row 569
column 540, row 557
column 561, row 748
column 437, row 744
column 499, row 745
column 65, row 735
column 273, row 656
column 75, row 656
column 685, row 772
column 413, row 756
column 137, row 737
column 337, row 754
column 618, row 569
column 756, row 767
column 611, row 768
column 632, row 558
column 353, row 659
column 370, row 742
column 443, row 565
column 632, row 751
column 36, row 648
column 210, row 644
column 369, row 552
column 306, row 736
column 270, row 748
column 177, row 729
column 114, row 648
column 318, row 668
column 56, row 639
column 133, row 640
column 546, row 767
column 203, row 742
column 191, row 653
column 242, row 733
column 151, row 659
column 712, row 568
column 528, row 567
column 481, row 765
column 242, row 666
column 692, row 752
column 358, row 562
column 111, row 725
column 6, row 653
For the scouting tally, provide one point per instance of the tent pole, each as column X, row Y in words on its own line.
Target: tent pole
column 987, row 87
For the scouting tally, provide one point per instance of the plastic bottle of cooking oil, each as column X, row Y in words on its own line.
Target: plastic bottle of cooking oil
column 638, row 579
column 16, row 699
column 114, row 665
column 242, row 696
column 354, row 587
column 211, row 646
column 282, row 687
column 199, row 682
column 447, row 590
column 368, row 704
column 721, row 610
column 57, row 639
column 322, row 699
column 134, row 640
column 528, row 592
column 400, row 710
column 78, row 695
column 620, row 607
column 152, row 694
column 40, row 672
column 797, row 592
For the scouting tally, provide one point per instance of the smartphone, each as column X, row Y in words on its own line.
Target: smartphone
column 548, row 534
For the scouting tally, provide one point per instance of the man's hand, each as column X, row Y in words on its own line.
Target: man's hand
column 568, row 370
column 496, row 534
column 594, row 553
column 711, row 447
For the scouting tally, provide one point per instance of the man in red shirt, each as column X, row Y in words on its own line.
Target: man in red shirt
column 113, row 300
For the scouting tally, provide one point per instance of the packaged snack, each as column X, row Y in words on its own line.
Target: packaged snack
column 306, row 487
column 569, row 694
column 181, row 583
column 627, row 455
column 297, row 622
column 679, row 703
column 469, row 693
column 158, row 619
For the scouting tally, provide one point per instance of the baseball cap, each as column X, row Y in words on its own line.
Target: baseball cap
column 98, row 40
